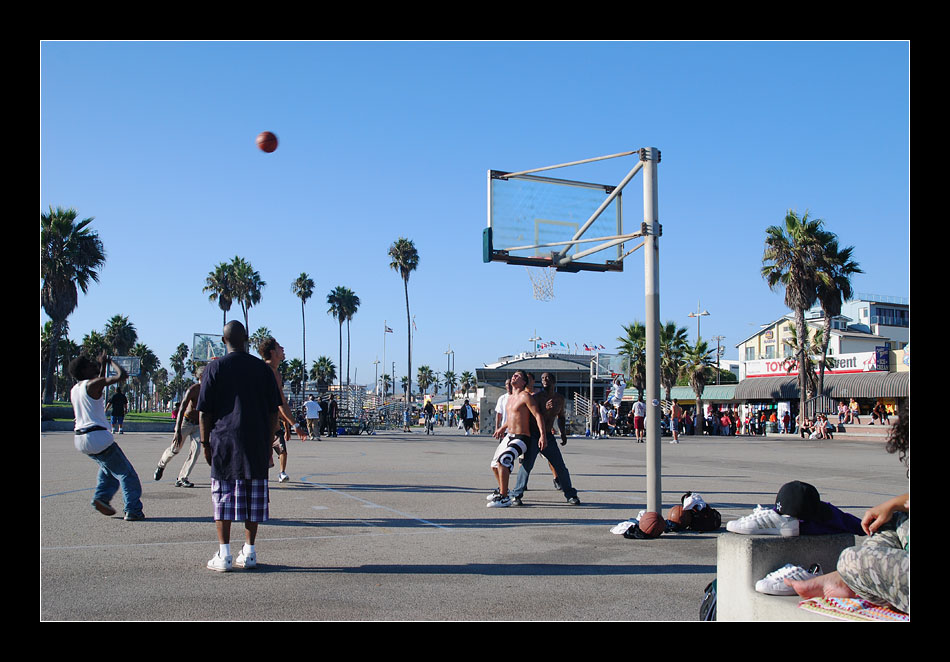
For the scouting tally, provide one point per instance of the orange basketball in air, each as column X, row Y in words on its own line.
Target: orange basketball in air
column 267, row 141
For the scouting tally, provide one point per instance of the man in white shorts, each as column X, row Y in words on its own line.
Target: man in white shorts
column 514, row 435
column 186, row 426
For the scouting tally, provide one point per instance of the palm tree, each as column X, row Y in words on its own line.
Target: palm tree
column 246, row 285
column 791, row 259
column 148, row 363
column 303, row 288
column 634, row 347
column 425, row 377
column 323, row 371
column 673, row 342
column 466, row 380
column 450, row 380
column 811, row 350
column 697, row 361
column 350, row 305
column 94, row 343
column 404, row 259
column 386, row 382
column 834, row 287
column 337, row 300
column 177, row 361
column 71, row 256
column 296, row 370
column 219, row 283
column 263, row 333
column 121, row 335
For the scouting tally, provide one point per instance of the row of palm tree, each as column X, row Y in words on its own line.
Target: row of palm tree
column 427, row 377
column 678, row 359
column 806, row 260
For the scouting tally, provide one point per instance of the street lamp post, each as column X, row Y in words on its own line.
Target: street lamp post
column 448, row 391
column 698, row 315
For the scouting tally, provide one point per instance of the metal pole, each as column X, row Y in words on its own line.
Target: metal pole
column 651, row 266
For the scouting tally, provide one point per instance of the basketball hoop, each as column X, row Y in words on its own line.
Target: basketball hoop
column 542, row 282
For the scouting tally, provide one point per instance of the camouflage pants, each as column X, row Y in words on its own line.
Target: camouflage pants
column 879, row 569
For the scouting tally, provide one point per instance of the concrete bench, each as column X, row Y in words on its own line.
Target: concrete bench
column 743, row 560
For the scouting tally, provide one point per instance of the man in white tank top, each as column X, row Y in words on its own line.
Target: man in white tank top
column 94, row 436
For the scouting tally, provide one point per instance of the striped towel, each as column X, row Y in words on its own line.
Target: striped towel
column 853, row 609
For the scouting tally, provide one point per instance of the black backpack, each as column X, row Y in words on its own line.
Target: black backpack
column 707, row 610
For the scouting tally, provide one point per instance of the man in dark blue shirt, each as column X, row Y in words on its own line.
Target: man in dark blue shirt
column 237, row 407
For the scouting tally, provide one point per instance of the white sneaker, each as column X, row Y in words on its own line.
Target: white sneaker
column 493, row 495
column 246, row 561
column 500, row 502
column 764, row 522
column 282, row 477
column 774, row 582
column 219, row 563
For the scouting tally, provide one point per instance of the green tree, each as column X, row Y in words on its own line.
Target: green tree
column 697, row 364
column 177, row 362
column 323, row 371
column 466, row 381
column 263, row 333
column 404, row 259
column 337, row 299
column 792, row 257
column 148, row 363
column 450, row 380
column 386, row 382
column 246, row 285
column 424, row 377
column 834, row 287
column 634, row 346
column 121, row 335
column 295, row 372
column 71, row 256
column 94, row 343
column 303, row 288
column 219, row 287
column 673, row 343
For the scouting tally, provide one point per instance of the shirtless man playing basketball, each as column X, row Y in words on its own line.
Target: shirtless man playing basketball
column 515, row 434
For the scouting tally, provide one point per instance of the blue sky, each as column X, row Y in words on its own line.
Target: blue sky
column 382, row 140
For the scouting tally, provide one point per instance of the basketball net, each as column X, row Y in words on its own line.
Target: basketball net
column 542, row 282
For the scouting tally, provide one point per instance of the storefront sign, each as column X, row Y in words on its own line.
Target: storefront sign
column 844, row 364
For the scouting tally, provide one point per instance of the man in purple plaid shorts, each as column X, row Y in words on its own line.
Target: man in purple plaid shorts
column 237, row 408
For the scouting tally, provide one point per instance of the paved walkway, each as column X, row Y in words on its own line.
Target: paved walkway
column 394, row 527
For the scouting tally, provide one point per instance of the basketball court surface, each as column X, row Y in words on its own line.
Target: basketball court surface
column 395, row 527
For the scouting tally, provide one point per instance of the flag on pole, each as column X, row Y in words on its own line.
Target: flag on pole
column 388, row 330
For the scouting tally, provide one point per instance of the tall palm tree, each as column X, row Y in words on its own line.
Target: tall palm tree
column 350, row 305
column 697, row 361
column 634, row 347
column 337, row 300
column 673, row 342
column 246, row 285
column 121, row 335
column 303, row 288
column 793, row 253
column 404, row 259
column 219, row 285
column 177, row 360
column 71, row 256
column 834, row 287
column 296, row 371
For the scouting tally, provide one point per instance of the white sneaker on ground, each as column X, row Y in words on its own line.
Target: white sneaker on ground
column 764, row 522
column 282, row 477
column 219, row 563
column 500, row 502
column 774, row 582
column 246, row 561
column 493, row 495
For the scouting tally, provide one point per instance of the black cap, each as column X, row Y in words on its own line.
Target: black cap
column 801, row 500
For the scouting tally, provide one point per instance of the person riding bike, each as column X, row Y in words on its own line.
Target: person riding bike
column 429, row 412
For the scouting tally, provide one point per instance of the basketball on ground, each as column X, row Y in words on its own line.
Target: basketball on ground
column 652, row 525
column 266, row 141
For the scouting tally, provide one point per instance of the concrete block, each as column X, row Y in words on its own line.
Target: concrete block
column 743, row 560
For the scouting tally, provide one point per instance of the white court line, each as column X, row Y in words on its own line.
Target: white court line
column 371, row 504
